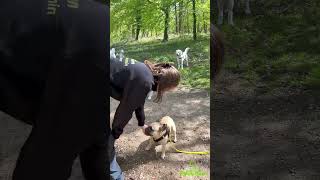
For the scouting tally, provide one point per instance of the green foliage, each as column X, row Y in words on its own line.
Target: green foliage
column 313, row 79
column 197, row 75
column 148, row 18
column 280, row 47
column 127, row 14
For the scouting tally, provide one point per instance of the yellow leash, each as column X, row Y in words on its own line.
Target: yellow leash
column 190, row 152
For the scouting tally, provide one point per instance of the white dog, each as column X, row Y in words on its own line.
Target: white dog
column 228, row 5
column 113, row 53
column 121, row 55
column 181, row 57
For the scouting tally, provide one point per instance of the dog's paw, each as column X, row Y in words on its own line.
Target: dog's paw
column 175, row 140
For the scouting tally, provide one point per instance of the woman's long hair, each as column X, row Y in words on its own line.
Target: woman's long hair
column 217, row 50
column 166, row 77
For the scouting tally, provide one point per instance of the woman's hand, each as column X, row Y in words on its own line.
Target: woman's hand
column 143, row 128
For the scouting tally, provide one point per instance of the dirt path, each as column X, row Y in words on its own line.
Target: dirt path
column 272, row 136
column 190, row 111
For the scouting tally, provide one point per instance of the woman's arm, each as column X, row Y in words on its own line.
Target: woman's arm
column 133, row 99
column 140, row 115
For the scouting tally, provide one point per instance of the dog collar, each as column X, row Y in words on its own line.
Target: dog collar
column 164, row 135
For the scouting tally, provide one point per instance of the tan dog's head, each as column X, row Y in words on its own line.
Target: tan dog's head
column 156, row 130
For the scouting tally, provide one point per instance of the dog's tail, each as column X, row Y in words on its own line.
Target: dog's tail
column 218, row 50
column 186, row 50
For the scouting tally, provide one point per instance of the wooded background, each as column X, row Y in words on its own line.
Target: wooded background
column 155, row 29
column 277, row 46
column 136, row 19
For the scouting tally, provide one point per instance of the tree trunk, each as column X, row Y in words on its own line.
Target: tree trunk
column 138, row 23
column 176, row 16
column 133, row 31
column 194, row 20
column 198, row 26
column 180, row 15
column 137, row 32
column 204, row 24
column 187, row 14
column 166, row 24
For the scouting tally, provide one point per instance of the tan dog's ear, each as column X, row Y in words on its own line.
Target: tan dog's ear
column 164, row 127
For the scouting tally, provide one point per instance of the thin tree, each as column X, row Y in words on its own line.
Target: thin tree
column 176, row 17
column 166, row 23
column 194, row 20
column 180, row 15
column 138, row 25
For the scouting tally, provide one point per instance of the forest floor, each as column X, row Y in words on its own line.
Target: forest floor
column 274, row 135
column 266, row 108
column 254, row 135
column 188, row 107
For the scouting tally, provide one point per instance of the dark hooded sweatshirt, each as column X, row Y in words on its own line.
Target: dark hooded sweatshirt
column 130, row 81
column 53, row 75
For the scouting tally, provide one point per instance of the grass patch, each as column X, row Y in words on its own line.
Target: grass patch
column 274, row 50
column 197, row 75
column 313, row 79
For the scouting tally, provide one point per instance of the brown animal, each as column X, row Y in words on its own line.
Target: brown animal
column 217, row 50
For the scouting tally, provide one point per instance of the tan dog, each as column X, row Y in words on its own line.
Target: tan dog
column 162, row 132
